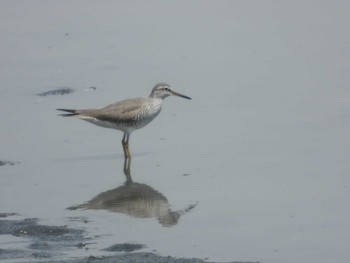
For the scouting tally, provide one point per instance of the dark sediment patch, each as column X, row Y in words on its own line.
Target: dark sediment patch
column 136, row 258
column 125, row 247
column 13, row 254
column 81, row 219
column 9, row 227
column 2, row 163
column 59, row 91
column 3, row 215
column 45, row 241
column 47, row 236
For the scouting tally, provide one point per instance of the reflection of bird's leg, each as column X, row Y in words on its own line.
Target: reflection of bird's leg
column 125, row 143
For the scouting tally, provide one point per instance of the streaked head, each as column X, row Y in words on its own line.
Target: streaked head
column 162, row 90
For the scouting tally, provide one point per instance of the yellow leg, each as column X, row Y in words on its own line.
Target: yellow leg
column 125, row 143
column 127, row 163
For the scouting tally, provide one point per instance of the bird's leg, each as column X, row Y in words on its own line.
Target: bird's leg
column 127, row 163
column 127, row 146
column 125, row 143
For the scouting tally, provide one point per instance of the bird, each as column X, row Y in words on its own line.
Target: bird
column 127, row 115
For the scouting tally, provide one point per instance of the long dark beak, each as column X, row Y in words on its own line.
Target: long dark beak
column 180, row 95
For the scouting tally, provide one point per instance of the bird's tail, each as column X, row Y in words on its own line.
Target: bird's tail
column 71, row 112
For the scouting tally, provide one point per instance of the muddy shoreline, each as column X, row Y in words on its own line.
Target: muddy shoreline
column 49, row 243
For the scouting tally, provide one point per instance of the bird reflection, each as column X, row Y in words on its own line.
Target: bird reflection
column 136, row 200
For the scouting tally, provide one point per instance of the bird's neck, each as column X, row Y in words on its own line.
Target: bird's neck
column 153, row 97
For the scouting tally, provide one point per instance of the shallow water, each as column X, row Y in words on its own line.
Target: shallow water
column 254, row 168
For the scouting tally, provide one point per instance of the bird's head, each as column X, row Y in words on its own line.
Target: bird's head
column 162, row 90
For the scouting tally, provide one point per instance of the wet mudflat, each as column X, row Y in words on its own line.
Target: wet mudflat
column 255, row 168
column 49, row 243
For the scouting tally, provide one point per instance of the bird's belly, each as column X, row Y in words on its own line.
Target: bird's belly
column 102, row 123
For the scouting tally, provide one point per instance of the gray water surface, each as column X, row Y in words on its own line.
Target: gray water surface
column 254, row 168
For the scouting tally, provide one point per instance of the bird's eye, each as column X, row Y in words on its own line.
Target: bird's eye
column 167, row 89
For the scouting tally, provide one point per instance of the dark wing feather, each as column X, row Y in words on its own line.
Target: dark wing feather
column 71, row 112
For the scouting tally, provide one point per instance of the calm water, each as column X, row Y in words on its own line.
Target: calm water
column 255, row 167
